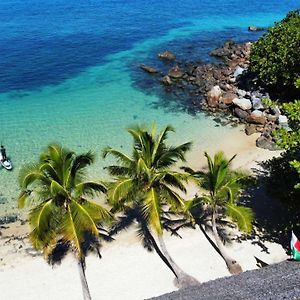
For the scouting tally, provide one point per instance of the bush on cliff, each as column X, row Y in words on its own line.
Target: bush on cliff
column 275, row 56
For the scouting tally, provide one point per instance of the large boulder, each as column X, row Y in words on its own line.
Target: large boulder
column 257, row 117
column 243, row 103
column 266, row 143
column 227, row 98
column 256, row 103
column 175, row 72
column 241, row 114
column 148, row 69
column 213, row 96
column 167, row 55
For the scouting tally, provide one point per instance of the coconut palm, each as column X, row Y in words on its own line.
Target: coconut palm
column 223, row 186
column 145, row 188
column 63, row 215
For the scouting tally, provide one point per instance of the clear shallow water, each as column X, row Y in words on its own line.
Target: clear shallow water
column 66, row 70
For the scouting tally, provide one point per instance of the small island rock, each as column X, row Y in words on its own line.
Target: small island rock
column 167, row 55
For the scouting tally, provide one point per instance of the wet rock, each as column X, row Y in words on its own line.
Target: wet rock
column 148, row 69
column 166, row 80
column 241, row 114
column 257, row 117
column 266, row 143
column 167, row 55
column 227, row 98
column 213, row 96
column 176, row 72
column 256, row 28
column 244, row 104
column 250, row 129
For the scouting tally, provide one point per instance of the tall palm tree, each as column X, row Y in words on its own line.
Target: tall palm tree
column 145, row 189
column 63, row 214
column 223, row 188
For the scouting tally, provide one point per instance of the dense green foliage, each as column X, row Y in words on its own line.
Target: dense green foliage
column 145, row 188
column 64, row 217
column 275, row 56
column 224, row 187
column 284, row 171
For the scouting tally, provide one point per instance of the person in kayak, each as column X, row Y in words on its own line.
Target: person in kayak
column 3, row 153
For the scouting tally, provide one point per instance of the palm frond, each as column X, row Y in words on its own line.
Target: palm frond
column 90, row 187
column 241, row 215
column 120, row 156
column 81, row 161
column 43, row 220
column 151, row 210
column 119, row 189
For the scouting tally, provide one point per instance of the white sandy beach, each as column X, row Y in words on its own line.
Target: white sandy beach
column 127, row 270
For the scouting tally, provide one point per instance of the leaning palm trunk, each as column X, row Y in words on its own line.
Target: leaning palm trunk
column 182, row 279
column 84, row 284
column 232, row 265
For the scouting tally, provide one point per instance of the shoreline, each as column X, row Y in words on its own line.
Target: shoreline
column 122, row 258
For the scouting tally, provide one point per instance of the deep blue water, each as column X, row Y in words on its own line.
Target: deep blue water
column 69, row 71
column 45, row 42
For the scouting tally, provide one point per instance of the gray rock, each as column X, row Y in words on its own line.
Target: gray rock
column 238, row 71
column 175, row 72
column 167, row 55
column 241, row 114
column 256, row 28
column 266, row 143
column 256, row 103
column 244, row 104
column 241, row 93
column 272, row 118
column 166, row 80
column 148, row 69
column 283, row 121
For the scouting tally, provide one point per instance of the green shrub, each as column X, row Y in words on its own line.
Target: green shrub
column 275, row 56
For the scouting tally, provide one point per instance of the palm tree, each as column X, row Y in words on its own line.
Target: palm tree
column 144, row 189
column 63, row 215
column 223, row 186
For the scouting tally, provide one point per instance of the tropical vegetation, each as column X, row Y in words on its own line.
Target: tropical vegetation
column 223, row 187
column 64, row 215
column 275, row 56
column 146, row 189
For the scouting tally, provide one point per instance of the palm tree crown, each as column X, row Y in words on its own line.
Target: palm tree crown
column 224, row 187
column 145, row 179
column 63, row 210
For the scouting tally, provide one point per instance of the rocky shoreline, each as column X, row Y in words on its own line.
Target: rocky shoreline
column 226, row 88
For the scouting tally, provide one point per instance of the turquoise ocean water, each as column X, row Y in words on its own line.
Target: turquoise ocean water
column 67, row 70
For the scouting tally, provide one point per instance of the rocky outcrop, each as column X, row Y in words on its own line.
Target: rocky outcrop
column 166, row 80
column 148, row 69
column 222, row 87
column 175, row 72
column 167, row 55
